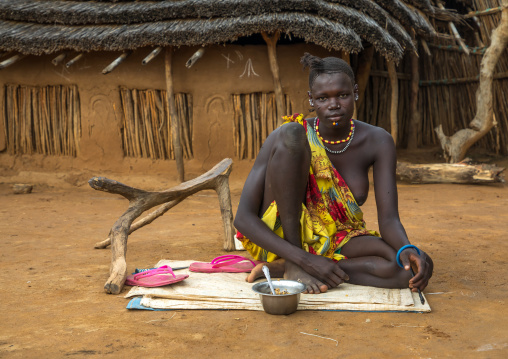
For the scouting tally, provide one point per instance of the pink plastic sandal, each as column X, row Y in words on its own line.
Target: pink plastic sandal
column 230, row 263
column 156, row 277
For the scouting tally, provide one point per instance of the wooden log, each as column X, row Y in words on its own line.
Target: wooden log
column 139, row 201
column 271, row 43
column 116, row 62
column 194, row 58
column 394, row 85
column 175, row 123
column 449, row 173
column 151, row 55
column 11, row 60
column 57, row 60
column 73, row 60
column 456, row 146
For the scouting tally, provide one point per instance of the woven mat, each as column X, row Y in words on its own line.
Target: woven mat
column 230, row 291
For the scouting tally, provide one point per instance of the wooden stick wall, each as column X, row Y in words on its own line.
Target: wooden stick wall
column 45, row 120
column 447, row 96
column 255, row 117
column 146, row 130
column 375, row 107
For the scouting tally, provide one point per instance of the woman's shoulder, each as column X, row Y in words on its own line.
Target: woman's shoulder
column 372, row 133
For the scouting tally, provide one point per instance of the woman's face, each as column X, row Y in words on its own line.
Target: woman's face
column 333, row 98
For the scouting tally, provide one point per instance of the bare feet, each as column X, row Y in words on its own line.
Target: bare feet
column 284, row 269
column 276, row 270
column 295, row 272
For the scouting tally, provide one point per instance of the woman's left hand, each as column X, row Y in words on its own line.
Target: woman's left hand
column 424, row 268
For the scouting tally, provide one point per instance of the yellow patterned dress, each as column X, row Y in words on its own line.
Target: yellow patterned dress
column 330, row 216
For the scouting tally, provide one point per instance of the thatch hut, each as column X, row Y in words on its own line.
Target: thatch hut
column 220, row 77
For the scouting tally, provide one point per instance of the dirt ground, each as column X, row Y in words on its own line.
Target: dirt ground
column 53, row 304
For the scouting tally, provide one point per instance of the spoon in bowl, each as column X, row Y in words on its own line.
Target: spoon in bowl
column 266, row 272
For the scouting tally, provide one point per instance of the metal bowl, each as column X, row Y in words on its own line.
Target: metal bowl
column 283, row 303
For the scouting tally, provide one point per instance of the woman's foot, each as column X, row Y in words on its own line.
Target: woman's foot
column 276, row 270
column 295, row 272
column 281, row 268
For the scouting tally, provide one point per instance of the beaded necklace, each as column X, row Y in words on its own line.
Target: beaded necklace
column 335, row 142
column 350, row 137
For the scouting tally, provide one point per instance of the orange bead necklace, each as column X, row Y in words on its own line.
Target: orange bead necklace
column 335, row 142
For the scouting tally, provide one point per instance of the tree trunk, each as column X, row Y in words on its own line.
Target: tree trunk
column 456, row 146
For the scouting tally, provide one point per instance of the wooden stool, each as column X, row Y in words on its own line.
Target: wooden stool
column 139, row 201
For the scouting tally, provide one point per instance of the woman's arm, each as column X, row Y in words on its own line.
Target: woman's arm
column 391, row 228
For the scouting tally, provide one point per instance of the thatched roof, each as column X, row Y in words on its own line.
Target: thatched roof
column 48, row 26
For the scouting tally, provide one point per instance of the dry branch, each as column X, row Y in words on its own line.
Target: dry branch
column 140, row 201
column 456, row 146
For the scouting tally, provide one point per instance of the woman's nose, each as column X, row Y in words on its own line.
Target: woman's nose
column 334, row 103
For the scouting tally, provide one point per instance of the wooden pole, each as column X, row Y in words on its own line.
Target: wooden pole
column 455, row 33
column 271, row 43
column 175, row 123
column 414, row 122
column 394, row 84
column 363, row 73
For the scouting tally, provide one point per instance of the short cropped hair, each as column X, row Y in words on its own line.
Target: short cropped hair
column 327, row 65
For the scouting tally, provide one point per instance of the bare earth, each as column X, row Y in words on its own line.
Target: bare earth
column 53, row 304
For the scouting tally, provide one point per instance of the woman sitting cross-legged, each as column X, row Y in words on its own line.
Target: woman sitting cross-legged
column 300, row 206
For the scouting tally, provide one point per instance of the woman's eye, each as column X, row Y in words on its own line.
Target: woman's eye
column 322, row 99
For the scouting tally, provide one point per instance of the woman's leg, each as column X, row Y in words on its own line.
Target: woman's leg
column 286, row 183
column 371, row 261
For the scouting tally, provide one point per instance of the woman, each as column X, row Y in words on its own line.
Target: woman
column 299, row 208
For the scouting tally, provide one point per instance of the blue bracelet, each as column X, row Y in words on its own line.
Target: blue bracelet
column 400, row 251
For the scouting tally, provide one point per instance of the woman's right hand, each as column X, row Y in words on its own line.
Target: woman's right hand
column 325, row 269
